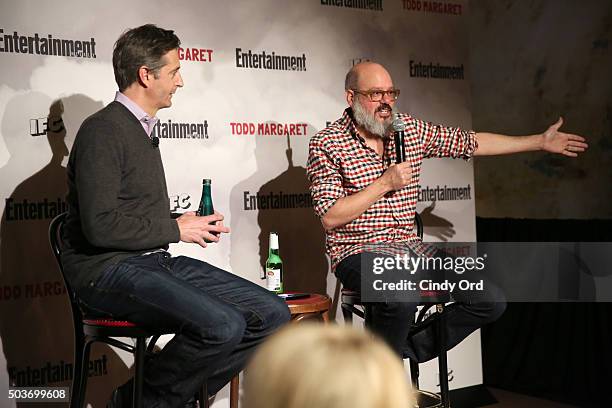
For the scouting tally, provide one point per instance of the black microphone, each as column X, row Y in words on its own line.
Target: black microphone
column 155, row 141
column 398, row 134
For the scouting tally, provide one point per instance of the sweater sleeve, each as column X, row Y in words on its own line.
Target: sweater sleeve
column 106, row 221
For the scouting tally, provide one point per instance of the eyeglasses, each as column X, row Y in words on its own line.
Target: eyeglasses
column 378, row 95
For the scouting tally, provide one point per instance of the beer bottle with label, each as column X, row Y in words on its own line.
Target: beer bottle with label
column 274, row 266
column 206, row 204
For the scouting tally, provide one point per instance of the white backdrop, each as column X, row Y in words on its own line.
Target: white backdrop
column 62, row 90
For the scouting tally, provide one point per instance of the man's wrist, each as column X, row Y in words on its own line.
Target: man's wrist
column 539, row 141
column 384, row 186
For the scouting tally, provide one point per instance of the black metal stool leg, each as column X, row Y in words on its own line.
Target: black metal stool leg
column 367, row 319
column 203, row 395
column 414, row 374
column 151, row 345
column 139, row 357
column 347, row 314
column 84, row 373
column 442, row 358
column 75, row 392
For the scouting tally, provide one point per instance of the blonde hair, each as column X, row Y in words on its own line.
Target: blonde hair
column 325, row 366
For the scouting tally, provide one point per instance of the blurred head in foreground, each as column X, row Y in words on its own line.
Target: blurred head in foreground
column 325, row 366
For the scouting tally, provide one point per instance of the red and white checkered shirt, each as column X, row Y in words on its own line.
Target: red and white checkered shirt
column 340, row 164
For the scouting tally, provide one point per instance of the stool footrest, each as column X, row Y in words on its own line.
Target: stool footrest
column 426, row 399
column 354, row 310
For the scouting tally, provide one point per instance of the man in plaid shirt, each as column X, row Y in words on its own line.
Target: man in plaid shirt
column 363, row 198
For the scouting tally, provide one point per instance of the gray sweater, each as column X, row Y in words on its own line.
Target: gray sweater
column 117, row 196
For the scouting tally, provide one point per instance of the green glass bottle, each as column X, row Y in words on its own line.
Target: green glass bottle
column 206, row 204
column 274, row 266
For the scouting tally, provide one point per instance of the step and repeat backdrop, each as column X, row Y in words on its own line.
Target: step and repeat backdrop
column 261, row 78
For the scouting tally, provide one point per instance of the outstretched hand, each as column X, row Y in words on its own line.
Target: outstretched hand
column 567, row 144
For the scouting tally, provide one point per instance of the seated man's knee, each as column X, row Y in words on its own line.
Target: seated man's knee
column 230, row 331
column 497, row 310
column 276, row 313
column 233, row 331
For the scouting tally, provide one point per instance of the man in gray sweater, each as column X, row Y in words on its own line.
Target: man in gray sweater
column 119, row 227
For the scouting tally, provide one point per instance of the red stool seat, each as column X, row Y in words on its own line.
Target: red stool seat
column 108, row 323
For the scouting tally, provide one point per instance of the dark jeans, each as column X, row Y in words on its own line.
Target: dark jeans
column 392, row 321
column 218, row 318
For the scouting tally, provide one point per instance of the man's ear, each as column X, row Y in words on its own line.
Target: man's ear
column 144, row 76
column 349, row 97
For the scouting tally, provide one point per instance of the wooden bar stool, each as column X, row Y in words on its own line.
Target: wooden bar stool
column 313, row 306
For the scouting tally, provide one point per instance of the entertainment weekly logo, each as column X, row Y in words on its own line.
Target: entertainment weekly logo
column 275, row 200
column 269, row 60
column 445, row 193
column 435, row 70
column 51, row 372
column 46, row 44
column 33, row 209
column 171, row 129
column 373, row 5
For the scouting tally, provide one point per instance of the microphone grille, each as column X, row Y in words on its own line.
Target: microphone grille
column 398, row 125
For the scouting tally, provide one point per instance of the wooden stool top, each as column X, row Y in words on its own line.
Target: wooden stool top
column 314, row 303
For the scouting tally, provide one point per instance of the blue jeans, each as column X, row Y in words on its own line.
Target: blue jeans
column 393, row 321
column 218, row 319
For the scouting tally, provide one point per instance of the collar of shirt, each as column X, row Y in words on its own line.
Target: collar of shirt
column 147, row 122
column 348, row 123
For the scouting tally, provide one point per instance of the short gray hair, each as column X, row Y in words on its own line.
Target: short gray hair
column 350, row 82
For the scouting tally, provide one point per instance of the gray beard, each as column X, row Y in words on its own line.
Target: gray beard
column 369, row 122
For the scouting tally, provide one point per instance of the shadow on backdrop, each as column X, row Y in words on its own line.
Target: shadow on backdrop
column 435, row 225
column 301, row 235
column 265, row 202
column 35, row 318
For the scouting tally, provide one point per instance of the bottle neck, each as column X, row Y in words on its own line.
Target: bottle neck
column 273, row 244
column 206, row 190
column 206, row 205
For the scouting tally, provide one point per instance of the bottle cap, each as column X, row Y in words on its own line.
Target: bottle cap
column 205, row 181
